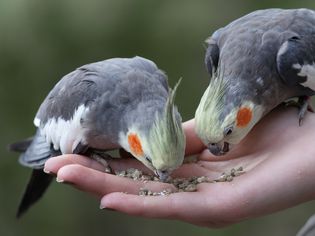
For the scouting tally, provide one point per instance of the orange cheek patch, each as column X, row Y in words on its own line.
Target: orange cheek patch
column 244, row 116
column 135, row 144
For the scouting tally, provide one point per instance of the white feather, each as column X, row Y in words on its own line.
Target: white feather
column 65, row 134
column 307, row 71
column 36, row 122
column 260, row 81
column 283, row 49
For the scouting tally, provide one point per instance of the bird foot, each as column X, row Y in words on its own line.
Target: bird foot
column 100, row 158
column 303, row 104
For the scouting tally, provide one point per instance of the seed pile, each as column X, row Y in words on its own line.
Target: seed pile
column 147, row 192
column 227, row 177
column 181, row 184
column 136, row 174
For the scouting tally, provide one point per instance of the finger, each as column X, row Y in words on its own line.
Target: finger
column 100, row 183
column 211, row 205
column 218, row 161
column 196, row 169
column 234, row 153
column 177, row 205
column 126, row 163
column 53, row 164
column 193, row 143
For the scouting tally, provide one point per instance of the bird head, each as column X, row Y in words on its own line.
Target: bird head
column 224, row 117
column 239, row 89
column 256, row 62
column 162, row 147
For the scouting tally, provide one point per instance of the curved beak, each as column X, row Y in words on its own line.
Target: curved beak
column 218, row 149
column 162, row 174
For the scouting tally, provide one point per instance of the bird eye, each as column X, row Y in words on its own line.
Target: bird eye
column 228, row 130
column 148, row 159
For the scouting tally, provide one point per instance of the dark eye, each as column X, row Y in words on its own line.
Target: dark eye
column 228, row 131
column 148, row 159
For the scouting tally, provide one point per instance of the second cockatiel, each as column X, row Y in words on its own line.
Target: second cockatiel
column 256, row 62
column 116, row 103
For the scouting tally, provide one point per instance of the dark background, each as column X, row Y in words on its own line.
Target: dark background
column 40, row 41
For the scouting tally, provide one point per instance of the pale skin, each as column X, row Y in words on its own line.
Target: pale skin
column 278, row 156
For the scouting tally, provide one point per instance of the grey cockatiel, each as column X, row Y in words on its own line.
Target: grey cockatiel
column 256, row 62
column 116, row 103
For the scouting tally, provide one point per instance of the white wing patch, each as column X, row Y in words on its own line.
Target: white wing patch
column 36, row 122
column 283, row 49
column 307, row 71
column 65, row 134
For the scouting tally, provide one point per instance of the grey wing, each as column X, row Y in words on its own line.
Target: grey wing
column 37, row 152
column 78, row 87
column 296, row 56
column 87, row 83
column 89, row 95
column 82, row 86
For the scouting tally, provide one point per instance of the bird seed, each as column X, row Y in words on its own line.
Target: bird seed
column 181, row 184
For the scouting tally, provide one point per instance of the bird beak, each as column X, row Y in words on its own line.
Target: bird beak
column 218, row 149
column 162, row 174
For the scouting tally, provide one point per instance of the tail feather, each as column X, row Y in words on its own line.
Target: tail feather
column 20, row 146
column 37, row 152
column 34, row 153
column 35, row 188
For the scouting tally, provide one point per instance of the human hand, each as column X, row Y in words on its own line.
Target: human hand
column 278, row 157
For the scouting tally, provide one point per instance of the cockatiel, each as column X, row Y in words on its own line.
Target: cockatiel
column 256, row 62
column 111, row 104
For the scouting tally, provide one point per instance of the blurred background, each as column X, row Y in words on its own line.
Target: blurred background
column 40, row 41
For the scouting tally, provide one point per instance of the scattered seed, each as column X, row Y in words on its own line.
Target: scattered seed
column 181, row 184
column 239, row 173
column 108, row 170
column 191, row 188
column 229, row 178
column 202, row 179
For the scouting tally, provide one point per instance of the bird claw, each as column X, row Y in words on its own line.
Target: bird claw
column 303, row 104
column 100, row 158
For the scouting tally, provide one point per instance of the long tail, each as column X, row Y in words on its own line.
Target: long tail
column 35, row 151
column 35, row 188
column 20, row 146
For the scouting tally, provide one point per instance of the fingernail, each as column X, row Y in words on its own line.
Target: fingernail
column 107, row 209
column 46, row 171
column 59, row 180
column 103, row 207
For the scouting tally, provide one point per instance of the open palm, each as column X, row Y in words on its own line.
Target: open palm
column 278, row 157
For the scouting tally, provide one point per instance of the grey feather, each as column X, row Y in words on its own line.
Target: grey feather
column 20, row 146
column 89, row 82
column 309, row 228
column 117, row 94
column 263, row 59
column 37, row 153
column 248, row 50
column 134, row 99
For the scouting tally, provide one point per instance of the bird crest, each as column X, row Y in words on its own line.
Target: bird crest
column 211, row 106
column 166, row 138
